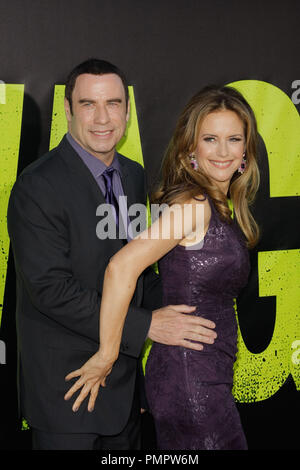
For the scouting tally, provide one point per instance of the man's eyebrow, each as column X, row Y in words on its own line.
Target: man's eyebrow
column 86, row 100
column 110, row 100
column 114, row 100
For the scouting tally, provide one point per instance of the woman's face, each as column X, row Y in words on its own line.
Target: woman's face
column 220, row 146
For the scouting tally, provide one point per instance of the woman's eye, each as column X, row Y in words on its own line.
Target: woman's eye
column 209, row 139
column 235, row 139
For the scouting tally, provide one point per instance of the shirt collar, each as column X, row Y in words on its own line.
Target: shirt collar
column 96, row 166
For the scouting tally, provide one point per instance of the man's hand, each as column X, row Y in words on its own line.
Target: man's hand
column 170, row 325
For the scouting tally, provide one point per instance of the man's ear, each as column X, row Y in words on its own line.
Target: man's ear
column 67, row 110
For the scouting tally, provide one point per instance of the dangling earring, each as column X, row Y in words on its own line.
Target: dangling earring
column 243, row 165
column 194, row 163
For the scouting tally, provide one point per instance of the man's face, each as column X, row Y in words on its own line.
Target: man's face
column 99, row 114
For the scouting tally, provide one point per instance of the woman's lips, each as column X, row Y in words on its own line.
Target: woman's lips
column 221, row 165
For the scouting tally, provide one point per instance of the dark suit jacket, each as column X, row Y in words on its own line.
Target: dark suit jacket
column 60, row 265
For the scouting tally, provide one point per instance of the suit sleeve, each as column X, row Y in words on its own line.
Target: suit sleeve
column 38, row 230
column 152, row 298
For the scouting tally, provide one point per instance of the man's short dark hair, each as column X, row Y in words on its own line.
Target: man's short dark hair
column 94, row 67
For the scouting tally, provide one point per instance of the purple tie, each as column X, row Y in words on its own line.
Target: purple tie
column 109, row 194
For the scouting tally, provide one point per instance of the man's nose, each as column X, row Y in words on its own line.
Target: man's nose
column 101, row 115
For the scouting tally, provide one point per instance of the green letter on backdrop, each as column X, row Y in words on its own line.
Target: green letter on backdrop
column 11, row 105
column 259, row 376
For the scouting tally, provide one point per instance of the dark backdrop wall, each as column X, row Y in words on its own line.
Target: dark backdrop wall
column 169, row 50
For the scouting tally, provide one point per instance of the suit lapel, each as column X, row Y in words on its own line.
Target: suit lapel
column 83, row 178
column 127, row 182
column 79, row 171
column 132, row 198
column 85, row 181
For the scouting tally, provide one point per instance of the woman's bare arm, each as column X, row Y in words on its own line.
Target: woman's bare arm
column 175, row 225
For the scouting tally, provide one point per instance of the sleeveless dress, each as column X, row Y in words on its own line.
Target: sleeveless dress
column 189, row 392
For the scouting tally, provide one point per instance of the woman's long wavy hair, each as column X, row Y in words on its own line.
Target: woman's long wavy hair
column 180, row 182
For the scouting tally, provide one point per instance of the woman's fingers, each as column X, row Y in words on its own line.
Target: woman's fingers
column 75, row 373
column 77, row 385
column 93, row 396
column 83, row 394
column 103, row 382
column 91, row 375
column 87, row 385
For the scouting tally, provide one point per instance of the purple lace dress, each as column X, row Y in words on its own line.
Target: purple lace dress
column 189, row 392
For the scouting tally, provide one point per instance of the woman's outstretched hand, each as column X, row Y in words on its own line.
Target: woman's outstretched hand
column 91, row 375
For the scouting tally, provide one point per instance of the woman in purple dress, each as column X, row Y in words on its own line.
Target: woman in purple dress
column 202, row 250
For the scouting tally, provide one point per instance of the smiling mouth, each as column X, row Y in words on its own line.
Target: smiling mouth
column 221, row 164
column 101, row 133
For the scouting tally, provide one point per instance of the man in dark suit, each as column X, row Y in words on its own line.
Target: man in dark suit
column 60, row 262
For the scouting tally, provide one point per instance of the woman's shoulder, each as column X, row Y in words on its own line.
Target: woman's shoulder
column 201, row 200
column 197, row 208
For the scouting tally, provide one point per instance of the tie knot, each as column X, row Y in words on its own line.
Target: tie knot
column 109, row 171
column 108, row 177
